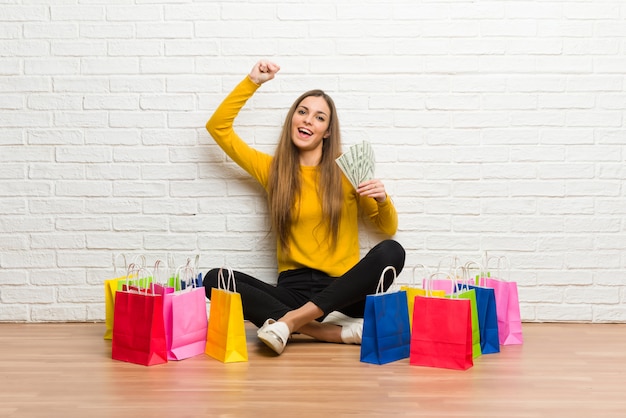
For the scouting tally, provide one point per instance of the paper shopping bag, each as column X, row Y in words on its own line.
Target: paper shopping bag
column 487, row 319
column 442, row 333
column 507, row 307
column 470, row 294
column 138, row 330
column 386, row 333
column 226, row 334
column 185, row 318
column 110, row 287
column 412, row 290
column 189, row 323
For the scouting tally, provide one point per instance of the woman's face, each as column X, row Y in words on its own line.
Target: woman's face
column 310, row 124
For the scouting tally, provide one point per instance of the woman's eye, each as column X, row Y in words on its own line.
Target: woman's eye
column 321, row 118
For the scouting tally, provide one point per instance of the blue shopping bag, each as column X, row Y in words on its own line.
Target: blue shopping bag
column 487, row 319
column 386, row 330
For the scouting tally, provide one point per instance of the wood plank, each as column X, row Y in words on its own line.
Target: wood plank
column 65, row 370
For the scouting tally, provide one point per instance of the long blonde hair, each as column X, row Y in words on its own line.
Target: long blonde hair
column 285, row 183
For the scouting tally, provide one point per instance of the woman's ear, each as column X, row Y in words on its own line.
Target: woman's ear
column 327, row 134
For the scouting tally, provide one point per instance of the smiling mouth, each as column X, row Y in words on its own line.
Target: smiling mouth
column 305, row 132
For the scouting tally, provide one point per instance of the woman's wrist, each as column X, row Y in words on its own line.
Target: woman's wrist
column 253, row 80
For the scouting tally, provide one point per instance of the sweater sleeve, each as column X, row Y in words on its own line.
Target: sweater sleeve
column 381, row 214
column 220, row 126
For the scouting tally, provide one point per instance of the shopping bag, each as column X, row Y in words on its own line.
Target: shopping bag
column 386, row 333
column 412, row 290
column 442, row 333
column 470, row 294
column 138, row 330
column 110, row 287
column 487, row 319
column 486, row 307
column 226, row 334
column 185, row 318
column 507, row 305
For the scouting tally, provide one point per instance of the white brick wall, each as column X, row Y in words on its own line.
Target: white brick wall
column 499, row 126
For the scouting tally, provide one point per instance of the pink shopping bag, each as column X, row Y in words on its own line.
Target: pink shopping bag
column 185, row 318
column 507, row 306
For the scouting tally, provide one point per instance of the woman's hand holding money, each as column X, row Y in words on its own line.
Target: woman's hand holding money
column 373, row 188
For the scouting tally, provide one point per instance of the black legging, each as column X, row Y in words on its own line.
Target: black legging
column 296, row 287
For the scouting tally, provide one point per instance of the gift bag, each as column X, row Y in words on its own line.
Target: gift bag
column 487, row 315
column 110, row 287
column 138, row 330
column 226, row 334
column 386, row 333
column 412, row 290
column 507, row 305
column 442, row 333
column 470, row 294
column 185, row 317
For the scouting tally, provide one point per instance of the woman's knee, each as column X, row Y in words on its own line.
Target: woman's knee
column 210, row 281
column 393, row 253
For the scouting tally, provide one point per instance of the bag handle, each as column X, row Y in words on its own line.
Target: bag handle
column 420, row 266
column 194, row 269
column 143, row 276
column 225, row 284
column 500, row 260
column 453, row 265
column 115, row 263
column 479, row 278
column 157, row 272
column 428, row 282
column 461, row 279
column 507, row 264
column 428, row 285
column 447, row 276
column 139, row 257
column 184, row 274
column 381, row 281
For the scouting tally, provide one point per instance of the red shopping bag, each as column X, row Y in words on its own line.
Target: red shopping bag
column 138, row 330
column 442, row 333
column 507, row 306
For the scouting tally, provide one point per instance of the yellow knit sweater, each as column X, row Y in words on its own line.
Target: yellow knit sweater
column 309, row 242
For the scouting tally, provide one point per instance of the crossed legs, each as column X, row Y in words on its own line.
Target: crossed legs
column 302, row 298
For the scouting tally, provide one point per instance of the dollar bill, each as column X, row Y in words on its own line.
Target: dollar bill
column 358, row 163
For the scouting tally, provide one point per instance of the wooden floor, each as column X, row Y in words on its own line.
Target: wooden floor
column 65, row 370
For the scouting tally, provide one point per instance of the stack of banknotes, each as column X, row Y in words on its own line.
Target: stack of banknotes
column 358, row 163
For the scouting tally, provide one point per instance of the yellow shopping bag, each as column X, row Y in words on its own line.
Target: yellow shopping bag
column 412, row 290
column 110, row 287
column 226, row 334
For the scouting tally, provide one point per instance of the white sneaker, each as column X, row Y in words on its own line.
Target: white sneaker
column 274, row 334
column 351, row 328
